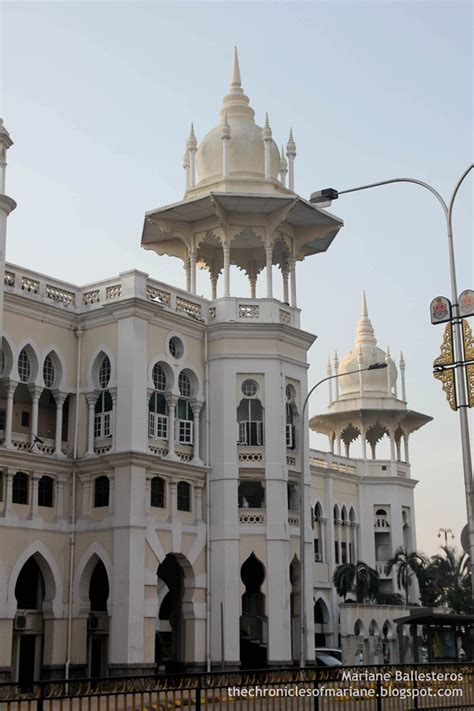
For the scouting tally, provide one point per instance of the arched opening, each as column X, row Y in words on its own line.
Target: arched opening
column 98, row 622
column 157, row 405
column 318, row 530
column 253, row 620
column 250, row 416
column 321, row 619
column 28, row 623
column 184, row 412
column 295, row 607
column 170, row 638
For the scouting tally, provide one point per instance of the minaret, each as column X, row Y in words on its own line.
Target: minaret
column 7, row 205
column 187, row 166
column 402, row 371
column 283, row 167
column 267, row 141
column 291, row 155
column 192, row 148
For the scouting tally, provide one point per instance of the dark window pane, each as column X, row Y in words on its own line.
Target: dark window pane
column 45, row 491
column 184, row 496
column 101, row 491
column 20, row 488
column 158, row 492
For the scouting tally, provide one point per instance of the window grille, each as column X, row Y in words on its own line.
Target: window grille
column 249, row 388
column 101, row 491
column 20, row 488
column 159, row 377
column 184, row 385
column 45, row 491
column 184, row 496
column 24, row 366
column 157, row 492
column 48, row 372
column 104, row 373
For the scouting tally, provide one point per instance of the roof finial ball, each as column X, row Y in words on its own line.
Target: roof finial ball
column 291, row 155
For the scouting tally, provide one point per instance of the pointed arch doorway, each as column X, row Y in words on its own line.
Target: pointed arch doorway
column 253, row 620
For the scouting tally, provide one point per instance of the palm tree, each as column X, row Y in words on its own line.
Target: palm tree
column 359, row 578
column 407, row 565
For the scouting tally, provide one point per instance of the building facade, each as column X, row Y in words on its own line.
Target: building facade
column 150, row 453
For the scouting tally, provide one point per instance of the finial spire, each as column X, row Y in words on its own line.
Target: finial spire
column 363, row 305
column 291, row 155
column 235, row 80
column 365, row 331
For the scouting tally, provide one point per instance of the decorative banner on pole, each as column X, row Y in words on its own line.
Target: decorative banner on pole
column 440, row 309
column 468, row 346
column 466, row 303
column 443, row 372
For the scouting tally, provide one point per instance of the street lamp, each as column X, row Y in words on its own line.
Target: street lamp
column 444, row 532
column 324, row 198
column 303, row 625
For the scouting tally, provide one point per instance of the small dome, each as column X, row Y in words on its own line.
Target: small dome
column 365, row 353
column 245, row 151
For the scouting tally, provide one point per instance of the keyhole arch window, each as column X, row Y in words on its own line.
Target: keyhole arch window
column 184, row 412
column 24, row 366
column 250, row 416
column 49, row 372
column 104, row 373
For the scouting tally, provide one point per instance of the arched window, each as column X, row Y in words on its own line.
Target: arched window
column 24, row 366
column 49, row 374
column 336, row 515
column 20, row 488
column 317, row 512
column 158, row 492
column 184, row 496
column 101, row 491
column 250, row 416
column 46, row 491
column 103, row 415
column 381, row 519
column 157, row 407
column 290, row 417
column 184, row 413
column 104, row 373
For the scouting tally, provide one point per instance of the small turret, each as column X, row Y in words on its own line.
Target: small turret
column 291, row 155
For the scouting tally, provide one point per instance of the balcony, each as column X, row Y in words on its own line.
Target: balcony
column 251, row 517
column 22, row 443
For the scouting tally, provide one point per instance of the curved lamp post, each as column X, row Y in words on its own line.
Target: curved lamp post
column 324, row 198
column 303, row 622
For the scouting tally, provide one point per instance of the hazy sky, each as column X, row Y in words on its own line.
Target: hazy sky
column 98, row 98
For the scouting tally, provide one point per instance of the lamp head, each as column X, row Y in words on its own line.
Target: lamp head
column 324, row 198
column 377, row 366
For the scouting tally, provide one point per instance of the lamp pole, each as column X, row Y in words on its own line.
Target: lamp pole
column 303, row 621
column 322, row 197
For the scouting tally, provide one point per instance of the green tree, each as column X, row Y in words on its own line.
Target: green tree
column 407, row 565
column 358, row 578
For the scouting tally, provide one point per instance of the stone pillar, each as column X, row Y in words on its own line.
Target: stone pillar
column 171, row 400
column 192, row 264
column 356, row 541
column 113, row 417
column 35, row 392
column 226, row 250
column 338, row 444
column 269, row 261
column 60, row 399
column 196, row 406
column 34, row 495
column 407, row 453
column 60, row 499
column 198, row 487
column 187, row 269
column 91, row 400
column 285, row 275
column 253, row 287
column 393, row 462
column 214, row 278
column 11, row 387
column 292, row 266
column 173, row 499
column 9, row 490
column 364, row 442
column 86, row 493
column 322, row 536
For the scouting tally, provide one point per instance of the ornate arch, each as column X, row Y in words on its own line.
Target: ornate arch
column 53, row 598
column 82, row 576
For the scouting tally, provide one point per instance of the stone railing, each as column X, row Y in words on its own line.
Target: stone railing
column 247, row 456
column 252, row 517
column 22, row 442
column 293, row 519
column 333, row 461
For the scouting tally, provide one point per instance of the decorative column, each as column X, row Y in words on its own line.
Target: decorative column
column 267, row 143
column 291, row 155
column 405, row 446
column 253, row 287
column 196, row 406
column 292, row 266
column 9, row 490
column 322, row 535
column 355, row 526
column 60, row 399
column 364, row 442
column 226, row 250
column 283, row 167
column 269, row 255
column 285, row 276
column 34, row 495
column 338, row 444
column 11, row 387
column 173, row 499
column 171, row 401
column 398, row 444
column 214, row 278
column 91, row 400
column 86, row 494
column 187, row 269
column 113, row 417
column 198, row 487
column 59, row 499
column 192, row 266
column 225, row 136
column 393, row 463
column 35, row 392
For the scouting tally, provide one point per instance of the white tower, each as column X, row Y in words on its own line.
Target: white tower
column 7, row 205
column 240, row 213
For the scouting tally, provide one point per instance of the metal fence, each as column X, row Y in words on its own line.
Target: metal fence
column 374, row 688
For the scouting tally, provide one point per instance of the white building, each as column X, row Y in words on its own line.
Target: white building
column 149, row 454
